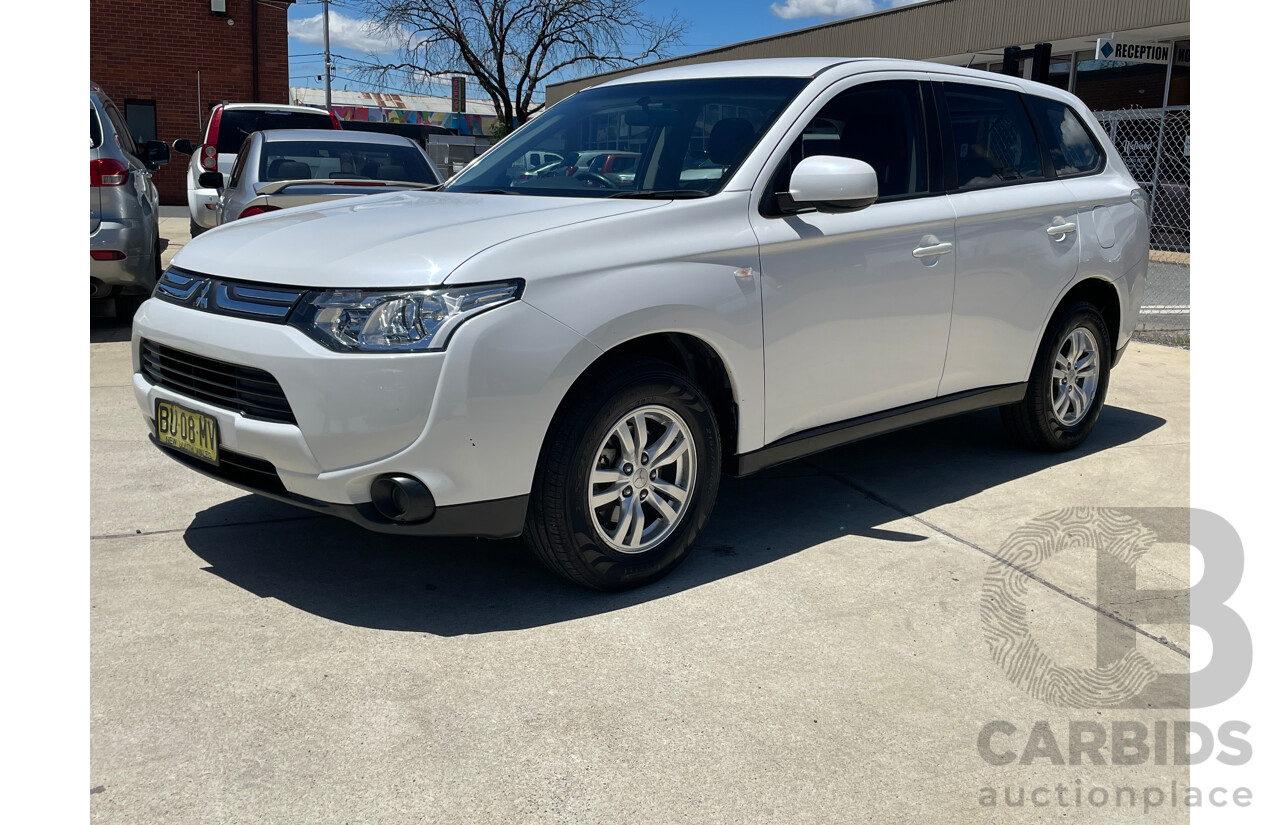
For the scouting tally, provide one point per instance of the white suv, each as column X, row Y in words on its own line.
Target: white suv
column 229, row 125
column 812, row 251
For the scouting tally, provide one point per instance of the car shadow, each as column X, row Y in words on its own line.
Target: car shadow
column 108, row 321
column 448, row 587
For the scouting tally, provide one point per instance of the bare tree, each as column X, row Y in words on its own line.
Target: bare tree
column 511, row 47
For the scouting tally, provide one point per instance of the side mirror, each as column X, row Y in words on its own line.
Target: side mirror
column 210, row 180
column 157, row 153
column 834, row 184
column 184, row 146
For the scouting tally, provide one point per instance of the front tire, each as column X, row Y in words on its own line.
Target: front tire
column 1068, row 384
column 627, row 478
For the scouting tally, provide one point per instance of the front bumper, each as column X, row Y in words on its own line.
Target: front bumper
column 498, row 519
column 469, row 426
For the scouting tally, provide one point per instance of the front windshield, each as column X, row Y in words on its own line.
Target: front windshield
column 666, row 138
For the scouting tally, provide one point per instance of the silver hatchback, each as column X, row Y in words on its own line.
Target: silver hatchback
column 124, row 217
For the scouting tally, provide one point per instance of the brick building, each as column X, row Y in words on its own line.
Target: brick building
column 166, row 63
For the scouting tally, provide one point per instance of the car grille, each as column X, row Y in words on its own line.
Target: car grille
column 238, row 299
column 251, row 392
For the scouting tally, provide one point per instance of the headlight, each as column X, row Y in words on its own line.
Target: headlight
column 361, row 320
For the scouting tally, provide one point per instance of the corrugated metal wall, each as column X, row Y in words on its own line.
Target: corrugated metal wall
column 936, row 29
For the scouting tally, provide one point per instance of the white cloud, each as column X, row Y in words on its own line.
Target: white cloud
column 344, row 33
column 821, row 8
column 793, row 9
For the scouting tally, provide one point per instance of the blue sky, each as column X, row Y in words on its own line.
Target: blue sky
column 712, row 23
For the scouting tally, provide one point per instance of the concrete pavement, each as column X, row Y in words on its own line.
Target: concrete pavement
column 820, row 658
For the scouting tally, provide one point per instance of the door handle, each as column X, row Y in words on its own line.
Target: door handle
column 932, row 250
column 1055, row 229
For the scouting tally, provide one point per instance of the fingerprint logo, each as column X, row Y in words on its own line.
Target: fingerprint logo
column 1004, row 609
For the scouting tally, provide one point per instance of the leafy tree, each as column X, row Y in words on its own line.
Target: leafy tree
column 511, row 47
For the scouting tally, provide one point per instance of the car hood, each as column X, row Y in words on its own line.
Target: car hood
column 392, row 240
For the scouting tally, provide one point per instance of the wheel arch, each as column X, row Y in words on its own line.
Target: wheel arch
column 1100, row 292
column 688, row 353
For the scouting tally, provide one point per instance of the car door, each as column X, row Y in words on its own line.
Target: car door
column 1016, row 234
column 857, row 305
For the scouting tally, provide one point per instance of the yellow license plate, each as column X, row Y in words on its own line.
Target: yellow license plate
column 191, row 432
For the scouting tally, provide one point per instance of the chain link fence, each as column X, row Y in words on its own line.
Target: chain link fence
column 1156, row 146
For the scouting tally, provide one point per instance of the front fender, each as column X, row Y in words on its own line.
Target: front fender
column 707, row 301
column 687, row 266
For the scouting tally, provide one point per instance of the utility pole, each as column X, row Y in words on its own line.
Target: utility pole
column 328, row 63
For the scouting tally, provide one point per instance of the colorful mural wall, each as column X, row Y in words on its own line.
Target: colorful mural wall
column 462, row 124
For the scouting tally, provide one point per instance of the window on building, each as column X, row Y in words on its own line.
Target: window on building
column 1180, row 87
column 1060, row 71
column 141, row 117
column 1105, row 85
column 993, row 142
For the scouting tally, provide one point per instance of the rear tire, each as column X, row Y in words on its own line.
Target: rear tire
column 196, row 228
column 1068, row 384
column 627, row 478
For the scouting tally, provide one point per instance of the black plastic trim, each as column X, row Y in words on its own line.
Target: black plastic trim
column 828, row 436
column 1119, row 353
column 501, row 518
column 252, row 392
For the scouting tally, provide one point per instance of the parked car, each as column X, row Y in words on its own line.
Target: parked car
column 229, row 125
column 580, row 364
column 536, row 160
column 570, row 165
column 619, row 168
column 124, row 208
column 292, row 167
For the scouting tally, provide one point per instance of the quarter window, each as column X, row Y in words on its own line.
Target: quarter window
column 123, row 138
column 1072, row 149
column 237, row 169
column 993, row 143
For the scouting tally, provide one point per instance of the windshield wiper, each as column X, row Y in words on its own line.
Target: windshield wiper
column 663, row 194
column 495, row 191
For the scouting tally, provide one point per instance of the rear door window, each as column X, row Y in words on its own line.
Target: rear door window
column 993, row 143
column 236, row 124
column 95, row 129
column 1072, row 148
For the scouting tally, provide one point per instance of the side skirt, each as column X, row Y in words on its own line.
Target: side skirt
column 840, row 433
